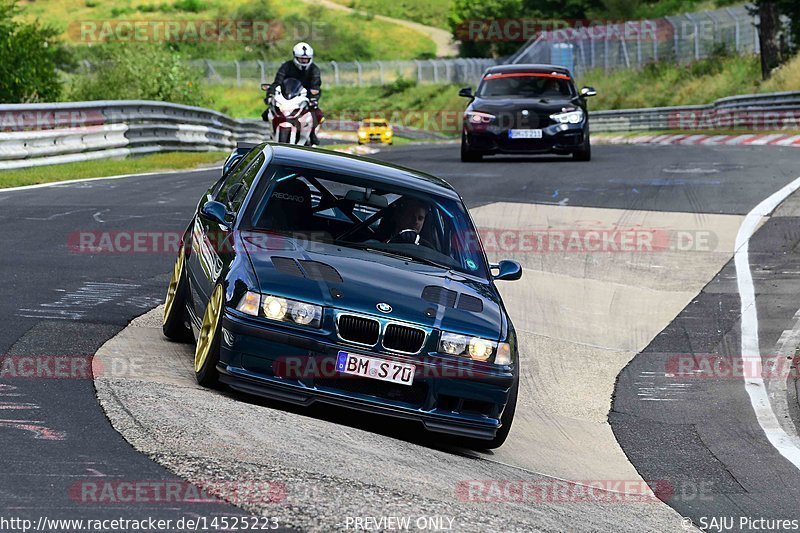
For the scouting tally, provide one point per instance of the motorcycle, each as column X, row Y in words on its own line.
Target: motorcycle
column 290, row 113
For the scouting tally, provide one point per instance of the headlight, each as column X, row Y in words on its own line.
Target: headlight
column 388, row 133
column 478, row 117
column 362, row 133
column 452, row 343
column 570, row 117
column 280, row 309
column 475, row 348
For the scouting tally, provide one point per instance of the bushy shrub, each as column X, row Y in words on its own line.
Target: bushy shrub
column 138, row 72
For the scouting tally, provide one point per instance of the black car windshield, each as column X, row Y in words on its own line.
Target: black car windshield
column 526, row 85
column 322, row 206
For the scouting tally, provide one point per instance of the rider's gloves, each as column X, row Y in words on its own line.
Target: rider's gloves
column 314, row 103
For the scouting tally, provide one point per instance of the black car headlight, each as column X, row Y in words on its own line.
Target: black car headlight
column 280, row 309
column 478, row 117
column 569, row 117
column 476, row 348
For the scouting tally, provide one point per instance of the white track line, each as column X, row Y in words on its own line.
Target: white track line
column 83, row 180
column 755, row 386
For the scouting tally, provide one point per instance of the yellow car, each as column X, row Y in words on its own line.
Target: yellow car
column 375, row 130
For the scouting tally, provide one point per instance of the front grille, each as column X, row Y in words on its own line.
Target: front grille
column 403, row 338
column 358, row 329
column 414, row 395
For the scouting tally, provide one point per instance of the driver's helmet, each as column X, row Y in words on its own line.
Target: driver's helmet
column 303, row 55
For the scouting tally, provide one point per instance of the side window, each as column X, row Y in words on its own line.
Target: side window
column 238, row 191
column 235, row 176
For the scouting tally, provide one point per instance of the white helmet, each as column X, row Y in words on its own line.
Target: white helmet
column 303, row 55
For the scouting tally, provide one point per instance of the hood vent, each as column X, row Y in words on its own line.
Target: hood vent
column 313, row 270
column 287, row 265
column 470, row 303
column 439, row 295
column 320, row 271
column 452, row 299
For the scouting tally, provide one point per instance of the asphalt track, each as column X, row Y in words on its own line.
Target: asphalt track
column 703, row 441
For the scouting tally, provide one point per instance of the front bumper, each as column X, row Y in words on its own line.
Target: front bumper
column 381, row 138
column 556, row 138
column 447, row 398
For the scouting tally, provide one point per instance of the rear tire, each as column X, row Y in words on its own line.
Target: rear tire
column 467, row 155
column 174, row 325
column 283, row 135
column 584, row 153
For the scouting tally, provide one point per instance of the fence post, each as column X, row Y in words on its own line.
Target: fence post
column 380, row 70
column 605, row 48
column 736, row 27
column 238, row 74
column 360, row 73
column 696, row 37
column 263, row 73
column 335, row 66
column 435, row 71
column 639, row 48
column 419, row 70
column 447, row 76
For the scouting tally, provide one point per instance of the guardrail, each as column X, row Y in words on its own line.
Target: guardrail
column 754, row 112
column 45, row 134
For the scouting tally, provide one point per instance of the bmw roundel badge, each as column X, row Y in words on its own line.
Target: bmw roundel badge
column 384, row 307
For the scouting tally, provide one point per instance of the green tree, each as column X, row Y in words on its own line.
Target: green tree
column 29, row 56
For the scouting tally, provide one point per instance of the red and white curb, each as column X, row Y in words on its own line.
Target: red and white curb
column 750, row 139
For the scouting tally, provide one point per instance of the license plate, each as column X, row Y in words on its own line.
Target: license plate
column 525, row 134
column 370, row 367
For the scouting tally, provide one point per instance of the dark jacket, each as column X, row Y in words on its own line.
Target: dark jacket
column 310, row 78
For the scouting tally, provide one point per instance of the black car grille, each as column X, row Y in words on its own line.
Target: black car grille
column 414, row 395
column 358, row 329
column 400, row 338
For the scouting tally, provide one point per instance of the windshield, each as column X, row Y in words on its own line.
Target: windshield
column 291, row 88
column 374, row 123
column 347, row 210
column 526, row 85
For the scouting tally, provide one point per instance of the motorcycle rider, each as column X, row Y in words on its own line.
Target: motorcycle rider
column 303, row 69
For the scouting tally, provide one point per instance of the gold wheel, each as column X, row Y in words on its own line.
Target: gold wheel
column 205, row 340
column 177, row 273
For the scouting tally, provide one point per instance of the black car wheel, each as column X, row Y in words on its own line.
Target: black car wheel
column 467, row 155
column 584, row 153
column 206, row 354
column 174, row 326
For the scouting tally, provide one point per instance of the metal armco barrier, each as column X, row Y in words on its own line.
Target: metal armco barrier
column 754, row 112
column 45, row 134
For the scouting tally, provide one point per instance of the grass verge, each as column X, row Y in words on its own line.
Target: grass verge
column 108, row 167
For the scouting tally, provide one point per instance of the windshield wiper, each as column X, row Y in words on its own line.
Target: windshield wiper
column 396, row 255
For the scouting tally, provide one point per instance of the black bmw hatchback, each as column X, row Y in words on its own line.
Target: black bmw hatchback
column 526, row 109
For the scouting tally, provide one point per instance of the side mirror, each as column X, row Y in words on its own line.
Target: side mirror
column 508, row 271
column 466, row 92
column 265, row 86
column 217, row 212
column 588, row 91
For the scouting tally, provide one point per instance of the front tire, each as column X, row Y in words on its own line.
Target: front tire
column 206, row 354
column 467, row 155
column 584, row 153
column 174, row 325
